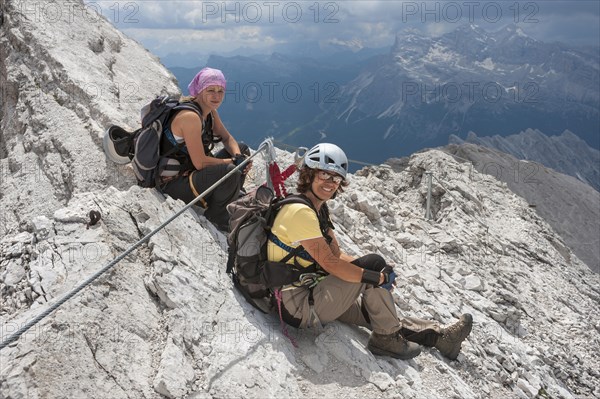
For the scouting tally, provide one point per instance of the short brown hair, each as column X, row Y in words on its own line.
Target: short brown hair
column 307, row 175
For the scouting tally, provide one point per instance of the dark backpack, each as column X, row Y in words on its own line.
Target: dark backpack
column 145, row 147
column 251, row 219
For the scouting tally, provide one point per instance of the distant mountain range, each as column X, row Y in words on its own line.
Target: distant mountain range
column 331, row 53
column 276, row 94
column 416, row 95
column 468, row 80
column 566, row 153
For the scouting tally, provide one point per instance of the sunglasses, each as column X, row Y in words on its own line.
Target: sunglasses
column 328, row 176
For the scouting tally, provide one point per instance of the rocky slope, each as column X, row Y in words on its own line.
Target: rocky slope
column 564, row 202
column 566, row 153
column 63, row 81
column 165, row 322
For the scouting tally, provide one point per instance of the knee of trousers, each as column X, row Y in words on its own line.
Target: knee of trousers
column 371, row 261
column 213, row 174
column 235, row 176
column 232, row 183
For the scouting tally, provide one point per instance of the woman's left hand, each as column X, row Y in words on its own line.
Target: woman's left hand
column 238, row 159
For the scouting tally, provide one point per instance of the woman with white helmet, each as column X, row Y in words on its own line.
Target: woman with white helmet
column 352, row 290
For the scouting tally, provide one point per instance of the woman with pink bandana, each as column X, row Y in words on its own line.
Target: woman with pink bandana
column 199, row 134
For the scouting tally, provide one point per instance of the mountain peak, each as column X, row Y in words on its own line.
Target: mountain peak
column 409, row 38
column 468, row 30
column 471, row 135
column 511, row 32
column 409, row 32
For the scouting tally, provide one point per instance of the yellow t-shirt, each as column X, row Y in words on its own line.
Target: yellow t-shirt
column 293, row 223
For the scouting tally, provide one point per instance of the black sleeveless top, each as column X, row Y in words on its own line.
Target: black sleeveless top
column 208, row 140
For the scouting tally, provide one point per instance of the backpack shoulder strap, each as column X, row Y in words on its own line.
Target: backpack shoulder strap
column 295, row 199
column 290, row 199
column 186, row 105
column 190, row 106
column 322, row 215
column 176, row 107
column 324, row 224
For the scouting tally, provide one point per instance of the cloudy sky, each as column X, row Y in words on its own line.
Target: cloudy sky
column 223, row 27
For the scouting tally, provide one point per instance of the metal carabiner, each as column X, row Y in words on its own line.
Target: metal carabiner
column 299, row 155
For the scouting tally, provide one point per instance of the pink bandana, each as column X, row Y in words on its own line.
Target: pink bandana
column 206, row 77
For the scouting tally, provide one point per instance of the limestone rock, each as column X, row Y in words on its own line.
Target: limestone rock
column 175, row 372
column 473, row 283
column 408, row 240
column 14, row 273
column 530, row 391
column 366, row 205
column 42, row 227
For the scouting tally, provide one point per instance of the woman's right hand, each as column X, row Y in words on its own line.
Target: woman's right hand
column 389, row 281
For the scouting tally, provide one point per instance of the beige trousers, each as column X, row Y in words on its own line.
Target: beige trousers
column 360, row 304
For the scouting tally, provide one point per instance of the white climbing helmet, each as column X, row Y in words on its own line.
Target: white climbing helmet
column 329, row 157
column 116, row 143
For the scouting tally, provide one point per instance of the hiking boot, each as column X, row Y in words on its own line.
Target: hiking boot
column 393, row 345
column 451, row 338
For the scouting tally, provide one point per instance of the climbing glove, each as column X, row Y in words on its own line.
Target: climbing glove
column 389, row 279
column 238, row 159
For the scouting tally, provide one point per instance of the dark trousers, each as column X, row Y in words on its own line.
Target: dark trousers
column 189, row 186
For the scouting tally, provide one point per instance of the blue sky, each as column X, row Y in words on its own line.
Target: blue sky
column 223, row 27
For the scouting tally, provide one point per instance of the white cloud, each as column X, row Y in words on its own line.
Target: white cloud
column 223, row 26
column 164, row 41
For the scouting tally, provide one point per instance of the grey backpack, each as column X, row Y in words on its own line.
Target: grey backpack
column 143, row 146
column 251, row 219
